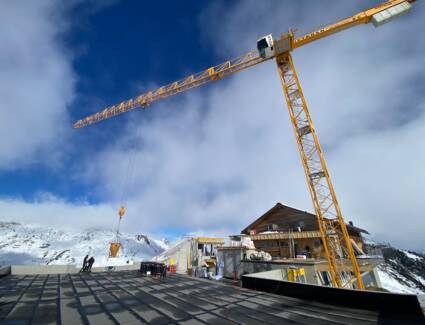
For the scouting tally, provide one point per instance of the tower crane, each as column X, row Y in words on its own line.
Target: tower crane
column 333, row 231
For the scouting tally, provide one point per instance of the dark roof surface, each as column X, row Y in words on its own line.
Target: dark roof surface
column 280, row 206
column 128, row 298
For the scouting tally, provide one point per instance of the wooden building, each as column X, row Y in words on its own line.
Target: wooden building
column 286, row 232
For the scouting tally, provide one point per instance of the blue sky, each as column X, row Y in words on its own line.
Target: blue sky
column 110, row 62
column 215, row 158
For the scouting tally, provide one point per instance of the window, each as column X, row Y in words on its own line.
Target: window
column 262, row 44
column 325, row 277
column 272, row 227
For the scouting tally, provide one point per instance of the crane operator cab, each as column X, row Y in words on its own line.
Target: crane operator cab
column 269, row 47
column 265, row 46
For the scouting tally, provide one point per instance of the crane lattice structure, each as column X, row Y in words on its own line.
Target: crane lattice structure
column 333, row 230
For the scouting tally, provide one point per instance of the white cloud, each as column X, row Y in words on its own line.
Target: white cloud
column 382, row 181
column 36, row 83
column 216, row 159
column 50, row 210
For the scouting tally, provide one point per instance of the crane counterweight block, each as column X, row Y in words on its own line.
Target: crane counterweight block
column 389, row 14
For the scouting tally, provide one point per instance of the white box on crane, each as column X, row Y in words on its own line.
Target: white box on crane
column 389, row 14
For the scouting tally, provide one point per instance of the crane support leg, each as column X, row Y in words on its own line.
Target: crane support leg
column 333, row 230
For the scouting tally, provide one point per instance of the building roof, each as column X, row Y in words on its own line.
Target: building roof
column 128, row 298
column 279, row 206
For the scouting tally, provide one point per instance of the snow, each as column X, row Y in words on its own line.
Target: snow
column 421, row 299
column 247, row 242
column 35, row 244
column 412, row 256
column 393, row 285
column 420, row 279
column 163, row 243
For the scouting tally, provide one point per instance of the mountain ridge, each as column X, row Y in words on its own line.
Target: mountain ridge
column 37, row 244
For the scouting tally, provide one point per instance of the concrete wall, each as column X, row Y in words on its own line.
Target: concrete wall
column 249, row 267
column 233, row 263
column 390, row 306
column 230, row 260
column 43, row 269
column 179, row 254
column 134, row 266
column 280, row 275
column 66, row 269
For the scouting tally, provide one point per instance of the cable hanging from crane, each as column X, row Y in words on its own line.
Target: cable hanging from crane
column 116, row 245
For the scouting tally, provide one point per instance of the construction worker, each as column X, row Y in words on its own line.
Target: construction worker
column 84, row 268
column 90, row 264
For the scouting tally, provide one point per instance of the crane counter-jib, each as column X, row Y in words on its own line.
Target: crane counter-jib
column 379, row 15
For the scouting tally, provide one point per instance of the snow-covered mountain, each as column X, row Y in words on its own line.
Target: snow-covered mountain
column 34, row 244
column 402, row 271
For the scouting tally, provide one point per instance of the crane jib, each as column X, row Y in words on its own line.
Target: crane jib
column 215, row 73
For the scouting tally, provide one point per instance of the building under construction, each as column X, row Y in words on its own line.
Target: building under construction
column 286, row 232
column 193, row 255
column 284, row 239
column 292, row 240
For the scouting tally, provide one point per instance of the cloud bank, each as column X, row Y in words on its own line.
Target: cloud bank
column 50, row 210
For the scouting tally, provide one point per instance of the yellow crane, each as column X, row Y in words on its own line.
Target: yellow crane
column 333, row 230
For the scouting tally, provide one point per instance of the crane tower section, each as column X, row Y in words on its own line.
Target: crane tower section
column 333, row 231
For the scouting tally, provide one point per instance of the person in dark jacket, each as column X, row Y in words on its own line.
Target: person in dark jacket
column 164, row 271
column 84, row 268
column 90, row 263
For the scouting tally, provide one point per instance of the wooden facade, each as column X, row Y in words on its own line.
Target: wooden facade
column 285, row 232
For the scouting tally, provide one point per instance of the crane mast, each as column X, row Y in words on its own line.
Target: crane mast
column 332, row 227
column 333, row 231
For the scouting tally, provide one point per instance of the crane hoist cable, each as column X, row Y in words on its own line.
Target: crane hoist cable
column 127, row 181
column 333, row 230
